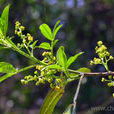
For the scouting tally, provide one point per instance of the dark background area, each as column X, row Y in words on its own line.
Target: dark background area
column 85, row 23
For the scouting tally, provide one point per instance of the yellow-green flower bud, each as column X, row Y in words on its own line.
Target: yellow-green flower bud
column 42, row 73
column 110, row 84
column 97, row 61
column 111, row 57
column 91, row 62
column 22, row 28
column 103, row 79
column 17, row 23
column 41, row 80
column 99, row 43
column 37, row 83
column 57, row 87
column 35, row 72
column 19, row 33
column 50, row 80
column 113, row 95
column 22, row 81
column 35, row 78
column 59, row 80
column 39, row 67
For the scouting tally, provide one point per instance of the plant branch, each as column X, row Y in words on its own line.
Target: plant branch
column 76, row 94
column 14, row 73
column 99, row 74
column 93, row 73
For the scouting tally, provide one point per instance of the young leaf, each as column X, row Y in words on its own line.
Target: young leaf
column 57, row 29
column 61, row 57
column 57, row 23
column 54, row 66
column 6, row 68
column 34, row 44
column 46, row 31
column 85, row 70
column 55, row 41
column 4, row 18
column 45, row 45
column 72, row 59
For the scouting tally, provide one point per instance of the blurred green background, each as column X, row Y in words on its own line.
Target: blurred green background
column 85, row 23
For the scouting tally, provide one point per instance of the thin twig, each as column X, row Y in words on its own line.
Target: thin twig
column 76, row 94
column 94, row 73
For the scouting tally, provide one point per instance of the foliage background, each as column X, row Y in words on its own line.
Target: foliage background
column 85, row 22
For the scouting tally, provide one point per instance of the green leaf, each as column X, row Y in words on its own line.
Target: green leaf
column 68, row 110
column 46, row 31
column 74, row 75
column 51, row 100
column 54, row 66
column 72, row 59
column 45, row 45
column 55, row 42
column 56, row 24
column 4, row 77
column 61, row 57
column 6, row 68
column 56, row 28
column 85, row 70
column 1, row 34
column 34, row 44
column 4, row 19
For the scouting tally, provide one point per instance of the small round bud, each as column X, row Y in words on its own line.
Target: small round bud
column 23, row 81
column 39, row 67
column 50, row 80
column 111, row 57
column 37, row 83
column 22, row 28
column 91, row 62
column 57, row 87
column 113, row 95
column 35, row 72
column 99, row 43
column 103, row 79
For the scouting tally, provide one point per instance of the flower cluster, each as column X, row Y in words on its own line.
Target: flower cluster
column 19, row 29
column 45, row 74
column 27, row 39
column 103, row 55
column 19, row 32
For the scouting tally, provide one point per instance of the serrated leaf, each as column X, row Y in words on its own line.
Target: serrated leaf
column 45, row 45
column 4, row 19
column 6, row 68
column 72, row 59
column 46, row 31
column 61, row 57
column 85, row 70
